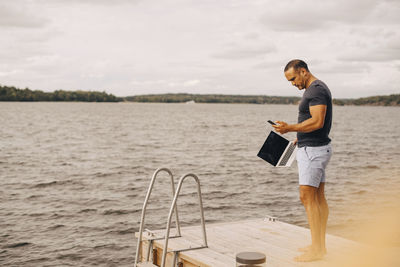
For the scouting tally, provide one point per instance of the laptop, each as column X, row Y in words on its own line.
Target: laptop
column 278, row 151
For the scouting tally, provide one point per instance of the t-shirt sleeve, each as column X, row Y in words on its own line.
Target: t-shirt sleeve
column 317, row 97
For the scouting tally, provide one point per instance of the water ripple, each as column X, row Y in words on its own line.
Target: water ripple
column 74, row 175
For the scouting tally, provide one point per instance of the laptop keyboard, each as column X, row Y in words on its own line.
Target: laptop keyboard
column 287, row 155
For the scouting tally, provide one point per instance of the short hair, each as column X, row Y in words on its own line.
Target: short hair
column 296, row 64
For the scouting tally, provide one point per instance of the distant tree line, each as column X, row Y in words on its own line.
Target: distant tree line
column 10, row 93
column 380, row 100
column 388, row 100
column 181, row 98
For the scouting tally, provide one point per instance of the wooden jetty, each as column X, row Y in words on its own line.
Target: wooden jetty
column 279, row 241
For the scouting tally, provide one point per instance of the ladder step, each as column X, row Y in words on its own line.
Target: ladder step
column 146, row 264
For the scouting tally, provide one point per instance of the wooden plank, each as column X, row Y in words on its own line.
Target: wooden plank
column 226, row 240
column 279, row 235
column 202, row 257
column 278, row 240
column 282, row 245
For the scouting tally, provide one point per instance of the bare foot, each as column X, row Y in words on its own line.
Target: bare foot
column 309, row 256
column 308, row 248
column 304, row 249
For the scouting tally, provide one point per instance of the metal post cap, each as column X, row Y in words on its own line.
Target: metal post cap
column 250, row 257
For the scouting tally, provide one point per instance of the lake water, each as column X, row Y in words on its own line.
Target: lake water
column 73, row 176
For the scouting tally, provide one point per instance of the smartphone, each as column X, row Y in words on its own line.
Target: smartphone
column 271, row 122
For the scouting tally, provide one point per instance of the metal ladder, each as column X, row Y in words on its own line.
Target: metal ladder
column 167, row 231
column 203, row 226
column 178, row 229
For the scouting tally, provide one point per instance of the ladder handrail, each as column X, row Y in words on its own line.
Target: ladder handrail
column 172, row 210
column 149, row 190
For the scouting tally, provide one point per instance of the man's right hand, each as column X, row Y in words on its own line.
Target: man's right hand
column 295, row 141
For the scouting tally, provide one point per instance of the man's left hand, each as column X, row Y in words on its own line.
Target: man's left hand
column 282, row 127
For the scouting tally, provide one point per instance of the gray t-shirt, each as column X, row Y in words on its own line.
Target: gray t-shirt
column 316, row 94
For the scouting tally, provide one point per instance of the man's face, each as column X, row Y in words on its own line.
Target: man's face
column 296, row 77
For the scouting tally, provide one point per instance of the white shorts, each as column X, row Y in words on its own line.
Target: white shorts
column 312, row 162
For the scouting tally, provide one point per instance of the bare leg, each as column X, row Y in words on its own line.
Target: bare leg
column 309, row 198
column 324, row 212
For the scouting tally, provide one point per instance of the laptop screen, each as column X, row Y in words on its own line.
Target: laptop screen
column 273, row 148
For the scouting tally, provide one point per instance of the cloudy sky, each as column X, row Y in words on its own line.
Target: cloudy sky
column 131, row 47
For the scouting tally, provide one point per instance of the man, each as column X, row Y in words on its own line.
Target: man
column 314, row 151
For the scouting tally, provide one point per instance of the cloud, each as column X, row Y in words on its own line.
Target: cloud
column 19, row 53
column 14, row 15
column 386, row 12
column 8, row 73
column 245, row 52
column 251, row 36
column 90, row 2
column 269, row 65
column 190, row 83
column 388, row 51
column 342, row 67
column 372, row 55
column 149, row 82
column 185, row 83
column 300, row 15
column 132, row 46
